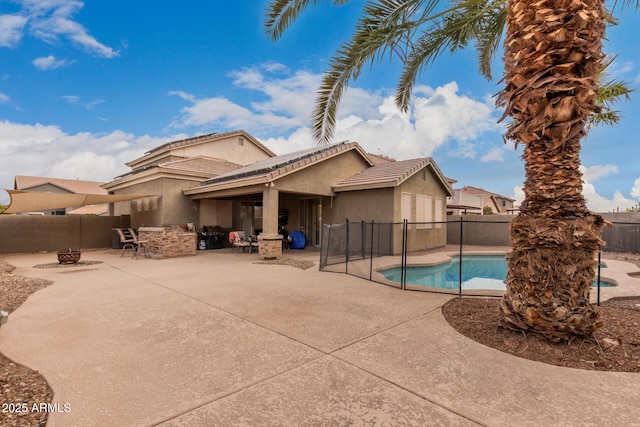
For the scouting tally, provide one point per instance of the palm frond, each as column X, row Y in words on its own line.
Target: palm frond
column 383, row 28
column 281, row 13
column 613, row 91
column 466, row 21
column 625, row 4
column 608, row 118
column 610, row 92
column 490, row 36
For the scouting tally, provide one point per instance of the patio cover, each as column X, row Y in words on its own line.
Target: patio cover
column 33, row 201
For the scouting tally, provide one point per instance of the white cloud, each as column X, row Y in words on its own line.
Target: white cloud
column 11, row 29
column 635, row 191
column 598, row 203
column 596, row 172
column 41, row 150
column 49, row 20
column 50, row 62
column 76, row 100
column 518, row 195
column 184, row 95
column 463, row 150
column 292, row 96
column 219, row 111
column 436, row 117
column 4, row 98
column 495, row 155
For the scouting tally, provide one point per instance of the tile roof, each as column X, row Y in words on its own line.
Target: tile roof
column 477, row 190
column 201, row 165
column 285, row 163
column 164, row 148
column 391, row 174
column 378, row 158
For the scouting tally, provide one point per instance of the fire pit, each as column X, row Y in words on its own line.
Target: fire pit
column 68, row 256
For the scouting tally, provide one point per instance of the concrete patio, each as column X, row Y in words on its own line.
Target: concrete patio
column 217, row 340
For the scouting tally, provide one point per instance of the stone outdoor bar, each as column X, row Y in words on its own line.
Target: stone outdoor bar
column 168, row 242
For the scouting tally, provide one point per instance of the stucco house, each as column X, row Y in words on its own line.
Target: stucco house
column 473, row 200
column 232, row 181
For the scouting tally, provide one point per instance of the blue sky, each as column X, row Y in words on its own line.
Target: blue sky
column 86, row 87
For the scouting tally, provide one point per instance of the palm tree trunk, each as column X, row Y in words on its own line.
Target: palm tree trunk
column 553, row 51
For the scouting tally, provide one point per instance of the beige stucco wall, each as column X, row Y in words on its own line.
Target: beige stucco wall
column 361, row 205
column 215, row 212
column 422, row 236
column 227, row 148
column 318, row 179
column 168, row 206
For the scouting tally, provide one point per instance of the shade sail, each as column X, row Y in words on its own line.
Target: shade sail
column 34, row 201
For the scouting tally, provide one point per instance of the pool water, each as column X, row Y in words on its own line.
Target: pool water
column 478, row 272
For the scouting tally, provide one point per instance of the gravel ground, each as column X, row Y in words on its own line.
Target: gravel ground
column 297, row 263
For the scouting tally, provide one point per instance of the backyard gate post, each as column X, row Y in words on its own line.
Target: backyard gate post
column 346, row 251
column 371, row 256
column 363, row 239
column 403, row 262
column 599, row 262
column 460, row 259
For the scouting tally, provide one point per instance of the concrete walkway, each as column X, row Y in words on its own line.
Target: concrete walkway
column 217, row 340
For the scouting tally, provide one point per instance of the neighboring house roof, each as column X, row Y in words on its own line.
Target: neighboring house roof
column 23, row 182
column 490, row 199
column 197, row 168
column 391, row 174
column 165, row 149
column 477, row 190
column 276, row 167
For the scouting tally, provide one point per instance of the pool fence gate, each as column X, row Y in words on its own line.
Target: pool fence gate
column 382, row 252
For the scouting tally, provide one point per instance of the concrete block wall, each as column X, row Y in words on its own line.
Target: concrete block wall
column 34, row 233
column 482, row 230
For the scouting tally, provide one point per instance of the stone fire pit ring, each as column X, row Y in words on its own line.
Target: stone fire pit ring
column 68, row 256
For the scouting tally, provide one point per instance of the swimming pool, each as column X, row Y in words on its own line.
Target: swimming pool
column 478, row 272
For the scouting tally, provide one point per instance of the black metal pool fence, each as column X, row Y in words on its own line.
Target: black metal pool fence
column 363, row 248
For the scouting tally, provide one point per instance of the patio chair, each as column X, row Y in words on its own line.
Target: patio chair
column 139, row 244
column 126, row 239
column 239, row 240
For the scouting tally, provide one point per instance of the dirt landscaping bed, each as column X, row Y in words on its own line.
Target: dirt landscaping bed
column 19, row 385
column 614, row 347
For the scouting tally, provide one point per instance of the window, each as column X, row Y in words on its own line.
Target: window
column 405, row 206
column 424, row 211
column 438, row 213
column 240, row 141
